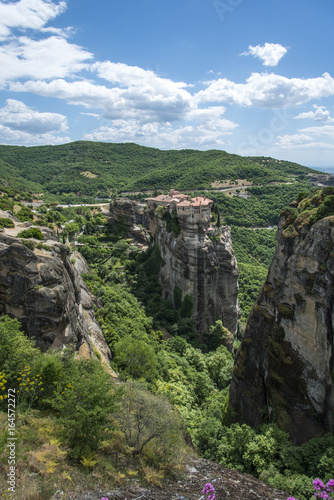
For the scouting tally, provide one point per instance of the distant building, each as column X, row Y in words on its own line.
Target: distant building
column 196, row 209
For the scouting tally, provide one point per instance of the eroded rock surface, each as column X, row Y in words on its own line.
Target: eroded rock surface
column 204, row 270
column 43, row 290
column 284, row 367
column 201, row 268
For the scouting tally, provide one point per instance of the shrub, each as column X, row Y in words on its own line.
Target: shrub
column 32, row 232
column 144, row 418
column 6, row 222
column 84, row 401
column 25, row 214
column 136, row 359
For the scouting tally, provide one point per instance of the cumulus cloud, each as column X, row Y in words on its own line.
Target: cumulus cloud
column 25, row 14
column 16, row 116
column 269, row 53
column 161, row 135
column 135, row 93
column 320, row 114
column 310, row 138
column 48, row 58
column 268, row 90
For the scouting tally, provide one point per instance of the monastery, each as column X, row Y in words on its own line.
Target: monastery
column 198, row 209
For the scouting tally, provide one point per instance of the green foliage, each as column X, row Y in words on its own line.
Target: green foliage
column 186, row 307
column 32, row 232
column 262, row 209
column 16, row 350
column 6, row 222
column 59, row 171
column 251, row 279
column 29, row 244
column 144, row 418
column 25, row 214
column 84, row 401
column 135, row 359
column 177, row 297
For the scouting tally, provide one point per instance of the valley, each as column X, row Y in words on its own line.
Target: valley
column 156, row 282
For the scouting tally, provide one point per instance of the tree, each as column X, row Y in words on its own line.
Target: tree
column 84, row 400
column 144, row 417
column 136, row 359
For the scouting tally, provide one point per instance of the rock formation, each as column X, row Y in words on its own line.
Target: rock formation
column 201, row 269
column 284, row 366
column 42, row 289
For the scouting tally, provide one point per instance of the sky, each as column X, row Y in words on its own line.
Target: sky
column 251, row 77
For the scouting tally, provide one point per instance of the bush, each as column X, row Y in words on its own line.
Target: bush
column 84, row 400
column 6, row 222
column 144, row 418
column 25, row 214
column 136, row 359
column 32, row 232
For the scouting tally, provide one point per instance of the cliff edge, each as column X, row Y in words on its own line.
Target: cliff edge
column 284, row 367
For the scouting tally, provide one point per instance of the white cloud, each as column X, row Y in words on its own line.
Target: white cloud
column 14, row 137
column 16, row 116
column 269, row 53
column 310, row 138
column 157, row 135
column 320, row 114
column 24, row 14
column 268, row 90
column 140, row 94
column 48, row 58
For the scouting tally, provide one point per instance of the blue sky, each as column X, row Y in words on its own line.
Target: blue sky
column 251, row 77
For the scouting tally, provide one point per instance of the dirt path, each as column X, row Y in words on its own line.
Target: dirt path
column 228, row 484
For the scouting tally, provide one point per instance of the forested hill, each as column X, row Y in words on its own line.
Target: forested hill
column 93, row 168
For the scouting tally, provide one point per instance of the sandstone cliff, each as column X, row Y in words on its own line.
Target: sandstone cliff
column 202, row 269
column 43, row 290
column 284, row 367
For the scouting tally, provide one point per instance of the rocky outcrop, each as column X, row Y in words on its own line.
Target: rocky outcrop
column 43, row 290
column 284, row 368
column 321, row 179
column 205, row 271
column 133, row 216
column 199, row 269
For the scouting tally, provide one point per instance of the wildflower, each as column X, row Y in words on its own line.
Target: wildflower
column 210, row 491
column 291, row 498
column 330, row 485
column 318, row 484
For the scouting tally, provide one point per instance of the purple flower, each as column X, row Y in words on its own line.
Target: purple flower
column 104, row 498
column 323, row 494
column 210, row 491
column 291, row 498
column 318, row 484
column 330, row 485
column 208, row 488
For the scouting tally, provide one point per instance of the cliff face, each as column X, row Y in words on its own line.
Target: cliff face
column 196, row 266
column 202, row 269
column 43, row 290
column 284, row 367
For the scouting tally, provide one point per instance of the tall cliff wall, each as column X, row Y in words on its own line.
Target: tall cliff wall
column 284, row 367
column 44, row 291
column 200, row 268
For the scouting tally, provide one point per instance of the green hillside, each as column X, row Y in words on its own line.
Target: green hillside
column 92, row 168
